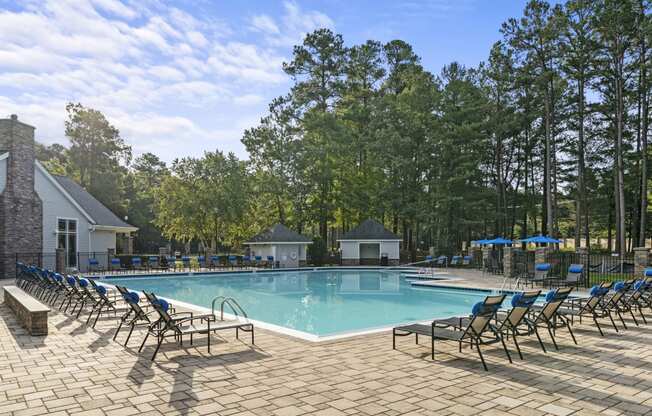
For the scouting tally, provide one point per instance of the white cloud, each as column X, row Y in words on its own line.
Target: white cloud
column 174, row 83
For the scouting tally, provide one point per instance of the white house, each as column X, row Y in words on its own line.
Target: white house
column 287, row 247
column 368, row 244
column 41, row 212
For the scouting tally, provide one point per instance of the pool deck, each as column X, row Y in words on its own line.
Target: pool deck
column 77, row 370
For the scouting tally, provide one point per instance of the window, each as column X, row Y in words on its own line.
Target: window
column 67, row 240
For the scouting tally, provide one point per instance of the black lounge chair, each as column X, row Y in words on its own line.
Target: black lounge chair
column 549, row 315
column 478, row 331
column 593, row 307
column 104, row 303
column 169, row 325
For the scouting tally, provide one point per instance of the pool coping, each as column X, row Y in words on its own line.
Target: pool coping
column 306, row 336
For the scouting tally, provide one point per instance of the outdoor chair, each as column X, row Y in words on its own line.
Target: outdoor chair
column 136, row 263
column 171, row 262
column 94, row 265
column 186, row 262
column 593, row 307
column 134, row 316
column 104, row 304
column 258, row 261
column 549, row 315
column 116, row 265
column 541, row 274
column 233, row 261
column 511, row 323
column 636, row 300
column 441, row 261
column 152, row 263
column 466, row 260
column 456, row 261
column 478, row 331
column 169, row 325
column 246, row 261
column 201, row 262
column 270, row 262
column 574, row 276
column 215, row 262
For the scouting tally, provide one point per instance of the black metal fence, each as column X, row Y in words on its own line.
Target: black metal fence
column 598, row 268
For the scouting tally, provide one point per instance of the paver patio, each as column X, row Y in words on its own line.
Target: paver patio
column 81, row 371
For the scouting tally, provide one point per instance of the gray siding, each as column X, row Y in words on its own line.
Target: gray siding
column 56, row 205
column 102, row 241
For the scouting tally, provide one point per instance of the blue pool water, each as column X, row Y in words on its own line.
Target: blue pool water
column 321, row 303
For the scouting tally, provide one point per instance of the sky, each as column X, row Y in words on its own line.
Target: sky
column 181, row 77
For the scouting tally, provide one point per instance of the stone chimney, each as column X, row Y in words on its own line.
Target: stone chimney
column 21, row 210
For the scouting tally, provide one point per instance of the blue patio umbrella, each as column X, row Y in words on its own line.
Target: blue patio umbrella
column 481, row 242
column 498, row 241
column 540, row 239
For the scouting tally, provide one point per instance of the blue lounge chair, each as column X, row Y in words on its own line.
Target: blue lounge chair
column 171, row 262
column 186, row 262
column 94, row 265
column 152, row 263
column 201, row 261
column 233, row 261
column 270, row 261
column 136, row 263
column 215, row 262
column 116, row 265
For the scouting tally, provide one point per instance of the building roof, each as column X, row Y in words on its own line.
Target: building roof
column 369, row 230
column 279, row 234
column 98, row 212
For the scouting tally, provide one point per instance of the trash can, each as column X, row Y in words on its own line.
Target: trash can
column 384, row 259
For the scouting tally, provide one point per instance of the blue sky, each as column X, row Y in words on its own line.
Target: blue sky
column 180, row 77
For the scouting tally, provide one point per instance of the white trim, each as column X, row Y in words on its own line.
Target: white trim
column 258, row 243
column 115, row 228
column 4, row 156
column 372, row 240
column 63, row 191
column 57, row 233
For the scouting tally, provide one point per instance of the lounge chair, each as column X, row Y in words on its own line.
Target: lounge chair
column 171, row 262
column 186, row 262
column 258, row 261
column 550, row 315
column 441, row 261
column 116, row 265
column 168, row 325
column 593, row 307
column 94, row 265
column 477, row 332
column 270, row 262
column 637, row 300
column 214, row 262
column 574, row 276
column 201, row 262
column 104, row 304
column 541, row 274
column 233, row 261
column 246, row 261
column 466, row 260
column 511, row 323
column 152, row 263
column 136, row 263
column 456, row 261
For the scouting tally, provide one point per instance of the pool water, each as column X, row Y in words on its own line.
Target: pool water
column 320, row 302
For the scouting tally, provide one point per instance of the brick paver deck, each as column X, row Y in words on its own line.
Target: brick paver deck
column 81, row 371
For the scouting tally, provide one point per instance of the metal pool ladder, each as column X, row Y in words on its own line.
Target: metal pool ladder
column 233, row 304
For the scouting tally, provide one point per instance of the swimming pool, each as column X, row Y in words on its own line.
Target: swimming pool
column 318, row 303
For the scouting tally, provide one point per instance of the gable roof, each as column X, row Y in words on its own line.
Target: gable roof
column 369, row 230
column 102, row 216
column 279, row 234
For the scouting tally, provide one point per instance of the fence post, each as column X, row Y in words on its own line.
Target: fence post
column 508, row 260
column 486, row 254
column 60, row 260
column 641, row 260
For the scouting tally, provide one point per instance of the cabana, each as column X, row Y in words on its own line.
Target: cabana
column 281, row 245
column 370, row 243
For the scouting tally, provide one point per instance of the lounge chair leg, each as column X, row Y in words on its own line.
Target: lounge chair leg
column 393, row 338
column 553, row 339
column 509, row 357
column 144, row 341
column 631, row 312
column 543, row 347
column 416, row 341
column 517, row 347
column 620, row 316
column 613, row 323
column 598, row 325
column 129, row 336
column 570, row 331
column 118, row 330
column 640, row 311
column 432, row 348
column 252, row 335
column 160, row 341
column 477, row 344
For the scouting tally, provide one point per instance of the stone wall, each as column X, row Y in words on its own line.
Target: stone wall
column 21, row 210
column 350, row 262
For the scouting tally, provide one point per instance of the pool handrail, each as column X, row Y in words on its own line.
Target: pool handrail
column 235, row 306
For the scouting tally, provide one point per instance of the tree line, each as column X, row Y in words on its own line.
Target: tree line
column 548, row 135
